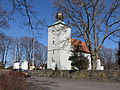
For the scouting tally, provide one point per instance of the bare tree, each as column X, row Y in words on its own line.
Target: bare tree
column 40, row 54
column 17, row 49
column 23, row 8
column 22, row 49
column 107, row 56
column 3, row 17
column 94, row 21
column 36, row 50
column 5, row 43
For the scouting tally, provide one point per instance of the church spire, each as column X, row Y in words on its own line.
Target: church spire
column 59, row 18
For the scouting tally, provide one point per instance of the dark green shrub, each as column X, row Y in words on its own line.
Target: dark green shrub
column 78, row 60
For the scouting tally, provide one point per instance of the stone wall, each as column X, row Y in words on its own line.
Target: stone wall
column 85, row 75
column 113, row 76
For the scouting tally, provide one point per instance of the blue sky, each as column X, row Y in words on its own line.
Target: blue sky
column 45, row 11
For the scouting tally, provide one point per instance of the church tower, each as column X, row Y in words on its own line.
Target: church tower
column 59, row 45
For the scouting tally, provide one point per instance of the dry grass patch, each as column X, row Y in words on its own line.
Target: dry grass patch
column 13, row 81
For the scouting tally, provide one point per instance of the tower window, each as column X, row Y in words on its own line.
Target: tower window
column 53, row 30
column 53, row 60
column 53, row 51
column 53, row 42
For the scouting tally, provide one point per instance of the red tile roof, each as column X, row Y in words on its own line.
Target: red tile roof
column 83, row 45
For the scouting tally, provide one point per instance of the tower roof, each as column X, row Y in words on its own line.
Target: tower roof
column 59, row 19
column 59, row 22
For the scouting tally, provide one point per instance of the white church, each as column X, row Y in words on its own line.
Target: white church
column 60, row 45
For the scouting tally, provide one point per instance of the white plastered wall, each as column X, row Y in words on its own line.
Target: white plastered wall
column 87, row 55
column 59, row 46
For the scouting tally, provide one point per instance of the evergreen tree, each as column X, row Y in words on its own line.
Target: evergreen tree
column 78, row 60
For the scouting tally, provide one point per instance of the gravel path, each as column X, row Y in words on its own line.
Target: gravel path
column 41, row 83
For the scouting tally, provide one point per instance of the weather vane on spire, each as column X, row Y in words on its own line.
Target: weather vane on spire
column 59, row 16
